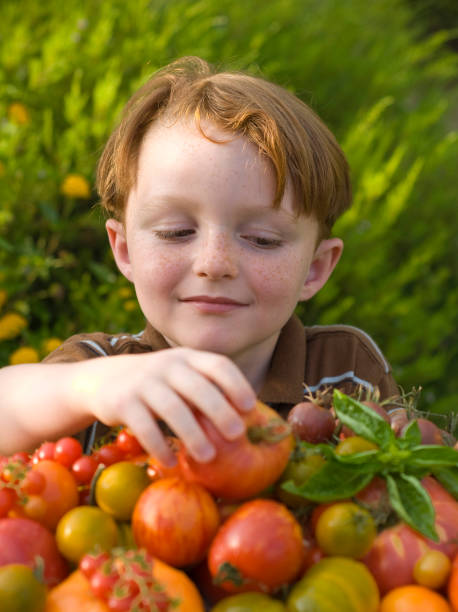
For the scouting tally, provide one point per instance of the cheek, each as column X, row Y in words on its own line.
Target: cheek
column 158, row 270
column 280, row 280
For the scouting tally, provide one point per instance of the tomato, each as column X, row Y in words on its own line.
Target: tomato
column 118, row 487
column 375, row 498
column 249, row 602
column 22, row 540
column 258, row 548
column 108, row 454
column 299, row 471
column 20, row 590
column 413, row 598
column 83, row 469
column 452, row 586
column 67, row 451
column 395, row 550
column 345, row 529
column 34, row 482
column 354, row 444
column 128, row 443
column 335, row 584
column 74, row 594
column 432, row 569
column 346, row 431
column 60, row 491
column 244, row 467
column 311, row 422
column 175, row 521
column 8, row 498
column 84, row 529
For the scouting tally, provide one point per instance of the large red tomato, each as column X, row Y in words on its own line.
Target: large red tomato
column 175, row 521
column 244, row 467
column 258, row 548
column 23, row 540
column 396, row 550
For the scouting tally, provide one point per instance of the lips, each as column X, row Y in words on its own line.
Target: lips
column 213, row 305
column 206, row 299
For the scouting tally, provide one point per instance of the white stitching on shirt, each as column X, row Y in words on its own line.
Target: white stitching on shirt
column 350, row 375
column 96, row 346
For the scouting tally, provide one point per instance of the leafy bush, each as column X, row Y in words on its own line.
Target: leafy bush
column 369, row 69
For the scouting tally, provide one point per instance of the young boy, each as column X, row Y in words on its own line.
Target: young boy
column 222, row 190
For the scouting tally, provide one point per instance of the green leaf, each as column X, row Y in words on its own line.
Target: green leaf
column 363, row 420
column 331, row 483
column 448, row 477
column 433, row 455
column 412, row 504
column 366, row 461
column 411, row 435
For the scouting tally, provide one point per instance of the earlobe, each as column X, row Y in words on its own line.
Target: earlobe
column 324, row 261
column 117, row 238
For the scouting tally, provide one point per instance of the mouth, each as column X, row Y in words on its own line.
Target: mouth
column 210, row 304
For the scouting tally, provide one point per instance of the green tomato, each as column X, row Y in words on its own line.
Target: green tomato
column 299, row 471
column 249, row 602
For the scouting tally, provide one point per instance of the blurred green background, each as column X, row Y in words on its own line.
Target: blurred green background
column 382, row 74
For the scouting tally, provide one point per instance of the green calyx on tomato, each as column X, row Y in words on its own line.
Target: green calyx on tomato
column 402, row 462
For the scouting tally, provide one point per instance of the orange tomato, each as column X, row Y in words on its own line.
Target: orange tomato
column 60, row 491
column 413, row 598
column 452, row 588
column 74, row 594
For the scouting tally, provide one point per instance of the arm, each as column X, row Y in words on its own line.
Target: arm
column 45, row 401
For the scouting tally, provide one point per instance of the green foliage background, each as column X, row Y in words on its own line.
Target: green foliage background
column 373, row 71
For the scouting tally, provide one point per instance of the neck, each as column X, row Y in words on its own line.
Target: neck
column 254, row 362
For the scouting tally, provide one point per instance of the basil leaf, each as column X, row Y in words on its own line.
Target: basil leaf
column 411, row 435
column 331, row 483
column 363, row 420
column 412, row 503
column 433, row 455
column 365, row 460
column 448, row 477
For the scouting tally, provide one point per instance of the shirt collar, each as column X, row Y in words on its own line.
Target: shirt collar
column 285, row 377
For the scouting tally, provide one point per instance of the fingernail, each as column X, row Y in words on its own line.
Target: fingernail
column 248, row 403
column 206, row 453
column 235, row 429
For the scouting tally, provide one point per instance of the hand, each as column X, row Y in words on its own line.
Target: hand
column 135, row 390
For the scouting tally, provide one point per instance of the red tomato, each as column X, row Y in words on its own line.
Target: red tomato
column 452, row 587
column 128, row 443
column 8, row 498
column 258, row 548
column 396, row 550
column 45, row 451
column 175, row 521
column 83, row 469
column 67, row 451
column 108, row 454
column 244, row 467
column 33, row 483
column 60, row 491
column 22, row 540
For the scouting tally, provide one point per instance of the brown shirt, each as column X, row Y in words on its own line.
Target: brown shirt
column 304, row 358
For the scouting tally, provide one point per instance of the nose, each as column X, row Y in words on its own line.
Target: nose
column 216, row 257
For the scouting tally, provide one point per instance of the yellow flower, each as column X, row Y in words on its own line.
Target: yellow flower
column 130, row 305
column 75, row 186
column 11, row 325
column 18, row 113
column 51, row 344
column 25, row 354
column 3, row 297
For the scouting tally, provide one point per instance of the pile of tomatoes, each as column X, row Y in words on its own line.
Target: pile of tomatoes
column 116, row 530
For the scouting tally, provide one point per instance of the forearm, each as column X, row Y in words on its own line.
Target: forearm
column 39, row 402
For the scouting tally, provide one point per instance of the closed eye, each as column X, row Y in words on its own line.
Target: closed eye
column 263, row 242
column 173, row 234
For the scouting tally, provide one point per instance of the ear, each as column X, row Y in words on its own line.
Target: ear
column 324, row 261
column 117, row 237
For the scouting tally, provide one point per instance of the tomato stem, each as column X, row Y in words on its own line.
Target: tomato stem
column 275, row 431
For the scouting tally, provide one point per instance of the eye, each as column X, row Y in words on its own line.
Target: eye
column 173, row 234
column 263, row 242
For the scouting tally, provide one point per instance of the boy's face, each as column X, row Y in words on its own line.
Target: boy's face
column 215, row 267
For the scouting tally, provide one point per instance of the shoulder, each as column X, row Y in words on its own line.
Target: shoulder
column 97, row 344
column 345, row 355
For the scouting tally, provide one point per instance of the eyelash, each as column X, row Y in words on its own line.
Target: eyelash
column 266, row 243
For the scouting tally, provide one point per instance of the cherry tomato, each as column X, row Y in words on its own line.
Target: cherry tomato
column 102, row 584
column 89, row 563
column 354, row 444
column 8, row 498
column 35, row 508
column 60, row 491
column 118, row 488
column 21, row 457
column 109, row 454
column 34, row 482
column 345, row 529
column 83, row 469
column 45, row 451
column 128, row 443
column 67, row 451
column 432, row 569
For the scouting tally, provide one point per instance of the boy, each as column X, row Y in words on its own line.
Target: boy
column 221, row 190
